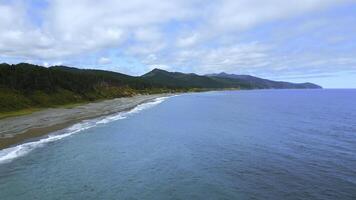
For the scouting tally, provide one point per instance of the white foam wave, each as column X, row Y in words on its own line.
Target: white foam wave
column 146, row 105
column 110, row 119
column 9, row 154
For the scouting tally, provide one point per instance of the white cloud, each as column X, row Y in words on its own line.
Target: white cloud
column 204, row 36
column 148, row 34
column 242, row 14
column 227, row 58
column 188, row 40
column 74, row 27
column 104, row 61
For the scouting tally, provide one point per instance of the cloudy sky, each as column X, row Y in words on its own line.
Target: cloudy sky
column 294, row 40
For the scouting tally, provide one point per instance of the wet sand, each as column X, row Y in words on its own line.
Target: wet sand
column 15, row 130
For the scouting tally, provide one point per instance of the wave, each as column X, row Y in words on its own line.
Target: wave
column 9, row 154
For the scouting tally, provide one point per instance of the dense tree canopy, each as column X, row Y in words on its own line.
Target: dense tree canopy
column 28, row 86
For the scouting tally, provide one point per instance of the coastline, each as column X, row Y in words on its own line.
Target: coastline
column 16, row 130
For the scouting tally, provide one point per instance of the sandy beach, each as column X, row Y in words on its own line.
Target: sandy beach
column 18, row 129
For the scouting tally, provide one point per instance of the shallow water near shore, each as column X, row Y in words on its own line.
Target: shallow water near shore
column 267, row 144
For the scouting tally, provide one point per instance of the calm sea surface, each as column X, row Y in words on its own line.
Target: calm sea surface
column 267, row 144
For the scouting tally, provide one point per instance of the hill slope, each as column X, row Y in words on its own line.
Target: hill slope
column 218, row 81
column 25, row 85
column 180, row 80
column 259, row 83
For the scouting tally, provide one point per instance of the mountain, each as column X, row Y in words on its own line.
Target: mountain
column 221, row 80
column 260, row 83
column 24, row 86
column 180, row 80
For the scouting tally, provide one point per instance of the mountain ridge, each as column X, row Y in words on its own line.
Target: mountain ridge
column 266, row 83
column 24, row 85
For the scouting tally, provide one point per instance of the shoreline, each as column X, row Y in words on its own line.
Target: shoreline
column 17, row 130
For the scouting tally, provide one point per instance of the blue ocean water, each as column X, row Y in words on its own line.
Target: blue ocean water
column 265, row 144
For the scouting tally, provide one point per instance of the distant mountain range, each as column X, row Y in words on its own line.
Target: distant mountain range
column 260, row 83
column 30, row 86
column 221, row 80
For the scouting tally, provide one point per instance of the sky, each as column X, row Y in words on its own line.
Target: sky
column 294, row 40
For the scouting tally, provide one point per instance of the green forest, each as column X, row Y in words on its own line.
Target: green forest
column 27, row 86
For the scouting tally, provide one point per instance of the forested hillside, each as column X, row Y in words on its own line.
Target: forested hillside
column 260, row 83
column 25, row 85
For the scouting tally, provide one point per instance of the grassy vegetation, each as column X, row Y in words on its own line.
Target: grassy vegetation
column 18, row 112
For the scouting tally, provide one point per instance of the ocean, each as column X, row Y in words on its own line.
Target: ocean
column 258, row 144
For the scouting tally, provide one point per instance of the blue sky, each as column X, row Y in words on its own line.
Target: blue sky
column 296, row 40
